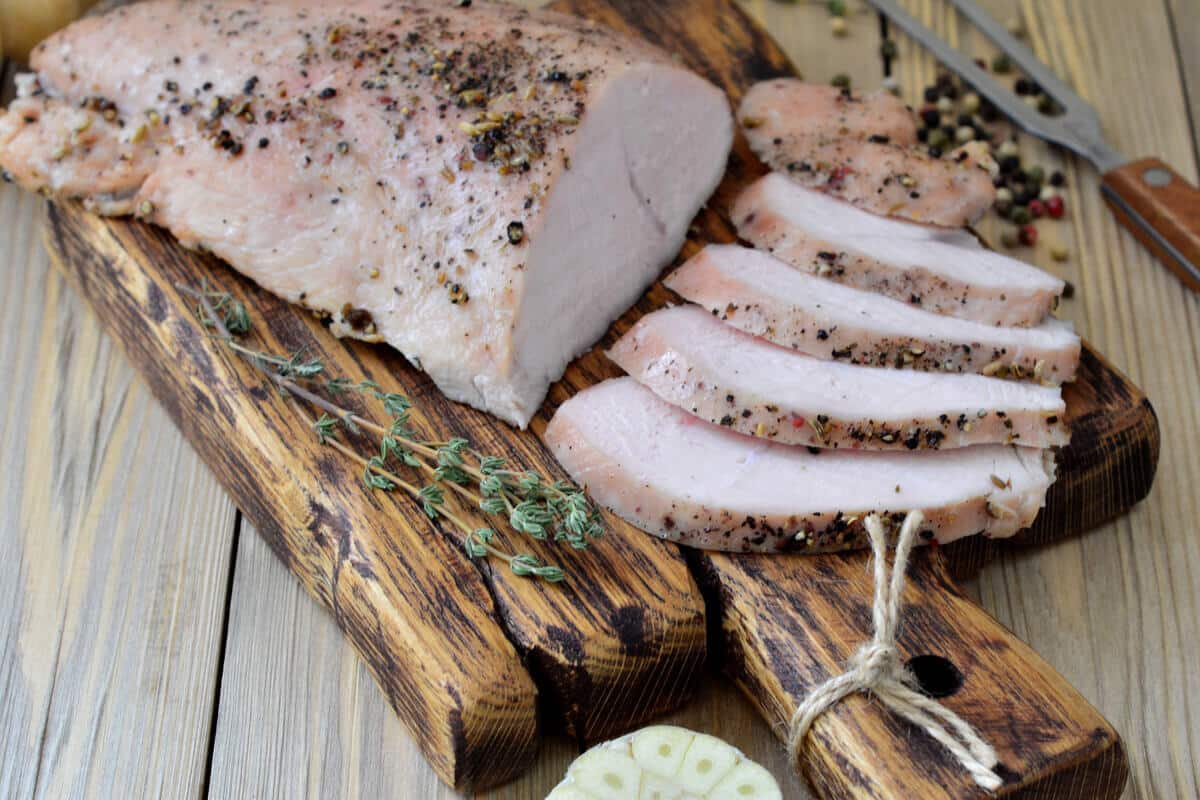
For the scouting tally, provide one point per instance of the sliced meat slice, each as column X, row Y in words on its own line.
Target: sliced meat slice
column 730, row 378
column 890, row 180
column 761, row 295
column 789, row 109
column 680, row 478
column 481, row 186
column 941, row 270
column 804, row 132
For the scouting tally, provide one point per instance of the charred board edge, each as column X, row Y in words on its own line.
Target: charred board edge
column 619, row 645
column 1108, row 467
column 1114, row 455
column 763, row 61
column 478, row 725
column 1048, row 736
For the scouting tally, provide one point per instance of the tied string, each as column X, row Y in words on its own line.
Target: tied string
column 875, row 667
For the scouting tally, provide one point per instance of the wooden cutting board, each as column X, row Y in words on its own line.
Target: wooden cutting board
column 479, row 663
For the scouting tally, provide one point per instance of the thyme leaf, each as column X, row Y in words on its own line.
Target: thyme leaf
column 482, row 483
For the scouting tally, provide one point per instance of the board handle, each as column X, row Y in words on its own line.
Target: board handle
column 1162, row 210
column 792, row 622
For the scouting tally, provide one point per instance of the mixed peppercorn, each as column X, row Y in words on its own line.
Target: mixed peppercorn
column 950, row 116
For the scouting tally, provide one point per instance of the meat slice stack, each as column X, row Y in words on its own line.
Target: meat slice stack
column 856, row 364
column 744, row 383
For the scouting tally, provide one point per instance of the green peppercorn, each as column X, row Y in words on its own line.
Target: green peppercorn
column 1035, row 175
column 888, row 49
column 1001, row 64
column 938, row 138
column 1020, row 215
column 841, row 80
column 837, row 7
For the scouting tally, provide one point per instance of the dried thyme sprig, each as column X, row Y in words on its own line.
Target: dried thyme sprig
column 529, row 503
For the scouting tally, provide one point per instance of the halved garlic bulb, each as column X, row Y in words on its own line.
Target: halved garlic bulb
column 664, row 762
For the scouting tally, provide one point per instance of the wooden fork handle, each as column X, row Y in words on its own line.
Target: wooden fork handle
column 1162, row 210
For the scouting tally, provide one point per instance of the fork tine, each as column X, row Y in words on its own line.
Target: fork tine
column 1023, row 57
column 1078, row 129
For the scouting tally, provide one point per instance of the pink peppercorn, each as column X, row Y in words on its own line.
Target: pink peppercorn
column 1055, row 207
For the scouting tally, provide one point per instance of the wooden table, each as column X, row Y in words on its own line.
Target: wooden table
column 150, row 645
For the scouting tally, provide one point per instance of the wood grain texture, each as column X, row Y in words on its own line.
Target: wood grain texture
column 114, row 556
column 1045, row 734
column 300, row 714
column 1169, row 205
column 634, row 632
column 1183, row 20
column 1117, row 610
column 301, row 717
column 416, row 608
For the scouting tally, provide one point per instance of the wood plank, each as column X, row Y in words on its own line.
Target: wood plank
column 1115, row 610
column 802, row 31
column 300, row 715
column 1184, row 21
column 1140, row 600
column 117, row 546
column 414, row 605
column 790, row 622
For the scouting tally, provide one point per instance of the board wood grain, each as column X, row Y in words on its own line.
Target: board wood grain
column 620, row 647
column 300, row 714
column 1116, row 610
column 1046, row 735
column 737, row 55
column 417, row 610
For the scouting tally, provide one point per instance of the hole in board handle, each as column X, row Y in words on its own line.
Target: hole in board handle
column 936, row 676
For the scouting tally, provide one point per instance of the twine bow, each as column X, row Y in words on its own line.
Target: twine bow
column 875, row 667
